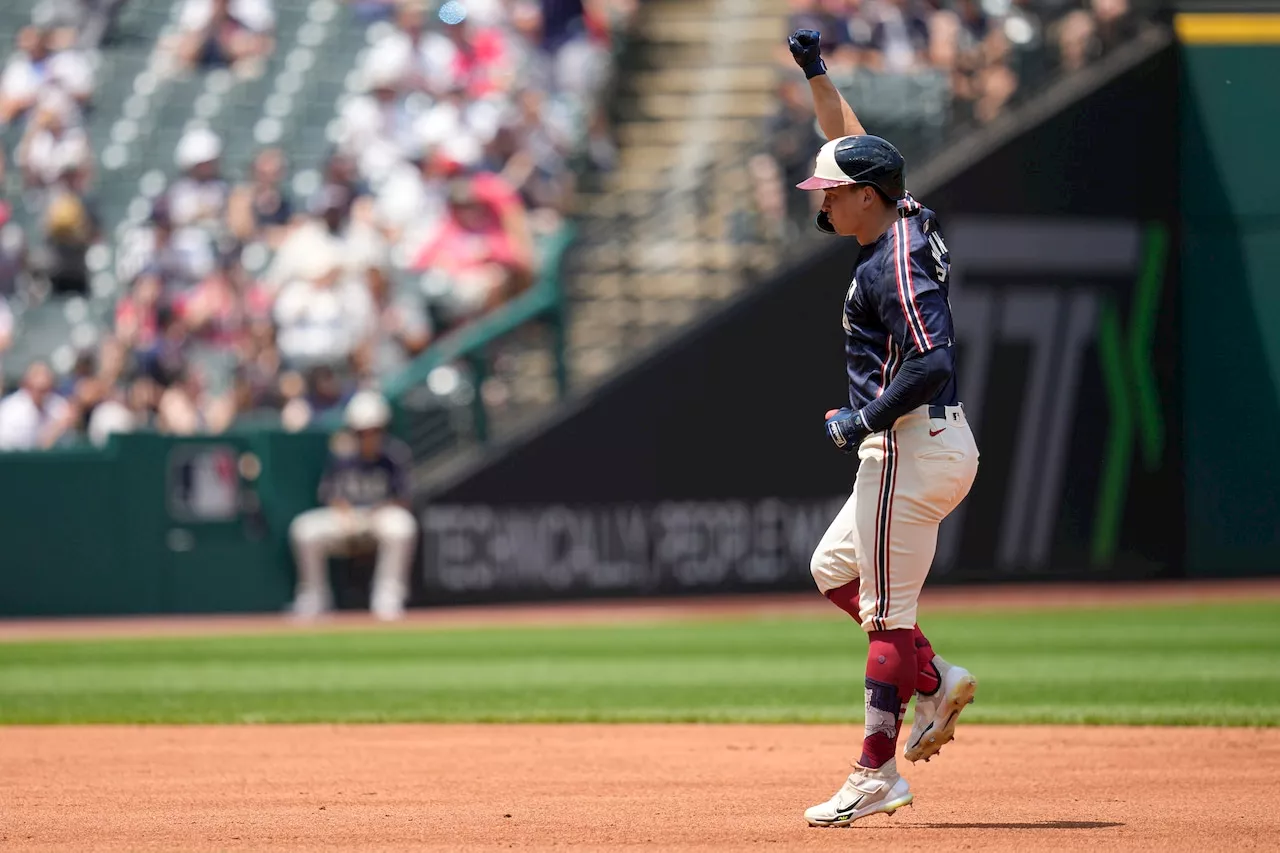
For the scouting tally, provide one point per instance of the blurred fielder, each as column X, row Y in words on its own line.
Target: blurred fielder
column 905, row 421
column 365, row 492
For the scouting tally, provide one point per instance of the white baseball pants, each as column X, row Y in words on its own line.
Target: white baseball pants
column 318, row 533
column 910, row 478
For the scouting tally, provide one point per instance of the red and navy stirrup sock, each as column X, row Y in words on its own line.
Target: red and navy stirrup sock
column 891, row 679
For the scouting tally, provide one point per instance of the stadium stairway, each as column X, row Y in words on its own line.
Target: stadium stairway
column 669, row 231
column 662, row 235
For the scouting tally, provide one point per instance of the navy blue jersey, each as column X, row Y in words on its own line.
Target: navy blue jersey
column 897, row 304
column 368, row 482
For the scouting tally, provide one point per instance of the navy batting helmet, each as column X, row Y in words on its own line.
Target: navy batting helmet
column 859, row 160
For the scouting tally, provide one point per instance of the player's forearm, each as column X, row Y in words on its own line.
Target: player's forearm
column 835, row 116
column 918, row 381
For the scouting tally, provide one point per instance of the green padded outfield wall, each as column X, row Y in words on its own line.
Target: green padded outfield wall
column 1230, row 175
column 152, row 524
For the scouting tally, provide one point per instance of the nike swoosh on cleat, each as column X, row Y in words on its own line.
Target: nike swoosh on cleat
column 927, row 729
column 851, row 806
column 936, row 433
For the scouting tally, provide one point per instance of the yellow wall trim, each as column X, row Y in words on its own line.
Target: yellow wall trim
column 1195, row 28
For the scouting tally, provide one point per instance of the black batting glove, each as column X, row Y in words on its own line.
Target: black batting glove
column 806, row 50
column 846, row 429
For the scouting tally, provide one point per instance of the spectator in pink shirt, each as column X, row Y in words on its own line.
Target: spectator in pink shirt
column 476, row 249
column 467, row 56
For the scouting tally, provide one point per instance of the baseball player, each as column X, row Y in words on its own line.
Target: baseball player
column 366, row 495
column 905, row 422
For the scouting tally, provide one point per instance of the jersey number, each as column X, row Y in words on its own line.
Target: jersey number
column 941, row 257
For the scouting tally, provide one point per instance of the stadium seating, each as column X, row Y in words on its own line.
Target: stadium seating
column 675, row 226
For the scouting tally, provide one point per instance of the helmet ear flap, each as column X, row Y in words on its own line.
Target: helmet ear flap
column 823, row 223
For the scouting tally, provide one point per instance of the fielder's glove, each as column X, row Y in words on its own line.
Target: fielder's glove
column 823, row 223
column 806, row 49
column 846, row 428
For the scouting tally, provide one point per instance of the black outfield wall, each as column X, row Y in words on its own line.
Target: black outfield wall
column 706, row 468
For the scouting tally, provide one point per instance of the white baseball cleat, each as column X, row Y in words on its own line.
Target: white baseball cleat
column 865, row 792
column 309, row 606
column 387, row 604
column 935, row 717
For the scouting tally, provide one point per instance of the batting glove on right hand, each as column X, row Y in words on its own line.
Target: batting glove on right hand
column 806, row 50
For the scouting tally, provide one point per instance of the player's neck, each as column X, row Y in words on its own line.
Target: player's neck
column 879, row 226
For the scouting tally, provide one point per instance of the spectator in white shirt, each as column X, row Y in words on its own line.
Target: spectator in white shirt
column 34, row 67
column 33, row 417
column 377, row 128
column 110, row 416
column 324, row 315
column 319, row 231
column 405, row 42
column 335, row 219
column 179, row 257
column 199, row 197
column 53, row 144
column 217, row 33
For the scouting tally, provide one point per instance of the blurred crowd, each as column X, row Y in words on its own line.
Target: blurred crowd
column 243, row 303
column 983, row 46
column 983, row 53
column 46, row 93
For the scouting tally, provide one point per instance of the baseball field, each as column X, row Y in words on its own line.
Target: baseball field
column 1142, row 720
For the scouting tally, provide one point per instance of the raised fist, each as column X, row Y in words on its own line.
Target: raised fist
column 806, row 49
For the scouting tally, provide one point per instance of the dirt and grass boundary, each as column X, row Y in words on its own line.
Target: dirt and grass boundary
column 608, row 611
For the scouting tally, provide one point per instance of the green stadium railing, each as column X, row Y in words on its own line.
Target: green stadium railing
column 545, row 300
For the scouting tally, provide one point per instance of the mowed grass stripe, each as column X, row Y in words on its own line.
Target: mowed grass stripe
column 1213, row 664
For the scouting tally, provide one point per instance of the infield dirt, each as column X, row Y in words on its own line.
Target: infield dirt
column 668, row 787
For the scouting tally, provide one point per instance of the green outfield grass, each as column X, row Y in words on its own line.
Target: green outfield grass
column 1216, row 664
